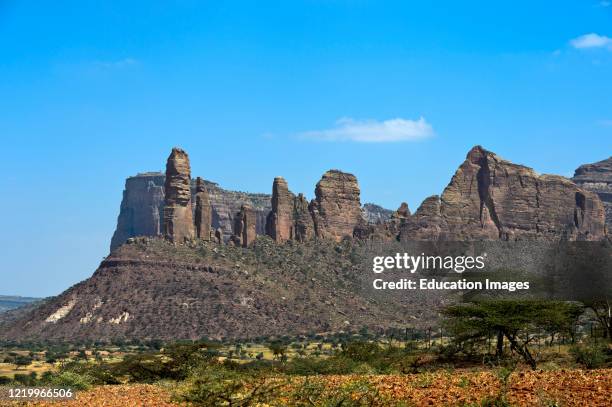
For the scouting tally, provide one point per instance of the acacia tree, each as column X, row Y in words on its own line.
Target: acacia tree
column 278, row 349
column 603, row 312
column 518, row 321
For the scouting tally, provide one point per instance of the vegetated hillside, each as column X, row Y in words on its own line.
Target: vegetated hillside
column 150, row 288
column 8, row 302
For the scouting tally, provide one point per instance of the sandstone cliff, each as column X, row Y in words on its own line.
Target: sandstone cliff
column 178, row 213
column 597, row 177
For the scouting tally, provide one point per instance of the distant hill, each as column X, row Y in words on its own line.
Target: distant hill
column 8, row 302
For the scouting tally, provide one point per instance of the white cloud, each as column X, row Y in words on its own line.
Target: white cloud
column 592, row 40
column 605, row 3
column 372, row 131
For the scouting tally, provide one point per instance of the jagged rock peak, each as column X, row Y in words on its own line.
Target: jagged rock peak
column 336, row 209
column 476, row 154
column 203, row 211
column 178, row 217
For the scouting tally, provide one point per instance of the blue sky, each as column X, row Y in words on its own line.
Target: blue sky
column 394, row 92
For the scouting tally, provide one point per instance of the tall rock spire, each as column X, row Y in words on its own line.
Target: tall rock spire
column 178, row 217
column 203, row 211
column 279, row 223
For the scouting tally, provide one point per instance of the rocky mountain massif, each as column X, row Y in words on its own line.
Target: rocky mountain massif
column 305, row 277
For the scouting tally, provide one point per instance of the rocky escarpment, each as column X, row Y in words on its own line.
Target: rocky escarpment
column 490, row 198
column 178, row 214
column 597, row 177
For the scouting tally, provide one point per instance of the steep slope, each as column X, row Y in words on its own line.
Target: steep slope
column 151, row 288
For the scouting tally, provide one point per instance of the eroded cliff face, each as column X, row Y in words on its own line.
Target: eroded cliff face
column 597, row 178
column 490, row 198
